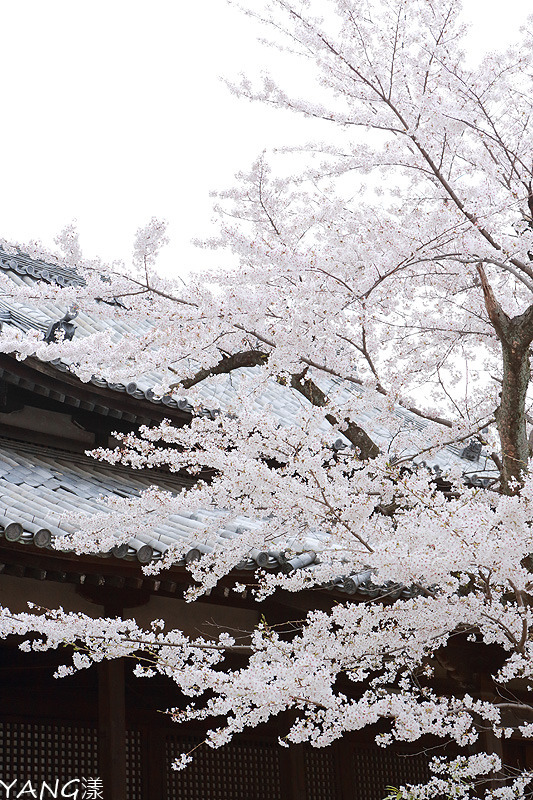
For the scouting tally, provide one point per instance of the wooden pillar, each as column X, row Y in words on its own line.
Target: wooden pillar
column 112, row 729
column 344, row 765
column 154, row 764
column 293, row 773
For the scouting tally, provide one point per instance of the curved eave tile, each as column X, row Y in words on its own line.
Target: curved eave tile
column 34, row 268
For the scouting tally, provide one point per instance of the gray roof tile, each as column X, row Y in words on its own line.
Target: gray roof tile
column 37, row 485
column 38, row 500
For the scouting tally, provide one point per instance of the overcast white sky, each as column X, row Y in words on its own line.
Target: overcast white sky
column 113, row 112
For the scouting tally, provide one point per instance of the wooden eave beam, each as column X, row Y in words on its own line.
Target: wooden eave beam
column 39, row 373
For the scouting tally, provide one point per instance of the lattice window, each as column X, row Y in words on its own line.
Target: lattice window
column 321, row 775
column 376, row 768
column 240, row 771
column 134, row 764
column 47, row 752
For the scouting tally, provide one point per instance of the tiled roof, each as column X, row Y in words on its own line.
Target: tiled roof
column 283, row 403
column 286, row 407
column 37, row 485
column 23, row 271
column 34, row 268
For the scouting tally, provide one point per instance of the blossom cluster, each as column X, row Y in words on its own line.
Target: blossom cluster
column 365, row 338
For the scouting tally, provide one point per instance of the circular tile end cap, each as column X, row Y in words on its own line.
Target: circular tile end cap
column 262, row 559
column 121, row 550
column 144, row 554
column 13, row 531
column 193, row 555
column 42, row 537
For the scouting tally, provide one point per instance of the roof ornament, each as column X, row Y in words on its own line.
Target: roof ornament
column 63, row 329
column 472, row 451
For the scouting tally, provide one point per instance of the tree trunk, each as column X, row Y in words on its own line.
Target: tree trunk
column 510, row 414
column 515, row 335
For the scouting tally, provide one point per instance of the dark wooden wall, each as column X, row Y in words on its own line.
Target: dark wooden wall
column 50, row 728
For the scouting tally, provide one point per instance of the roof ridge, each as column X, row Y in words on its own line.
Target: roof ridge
column 24, row 264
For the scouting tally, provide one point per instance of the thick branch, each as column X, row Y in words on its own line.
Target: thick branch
column 248, row 358
column 499, row 319
column 354, row 433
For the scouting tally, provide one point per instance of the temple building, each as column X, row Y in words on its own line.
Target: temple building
column 103, row 723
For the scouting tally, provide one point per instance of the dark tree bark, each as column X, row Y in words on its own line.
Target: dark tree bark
column 305, row 386
column 515, row 335
column 354, row 433
column 248, row 358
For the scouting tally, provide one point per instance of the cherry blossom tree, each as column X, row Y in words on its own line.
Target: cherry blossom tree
column 390, row 267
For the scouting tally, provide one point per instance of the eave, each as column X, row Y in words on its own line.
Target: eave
column 44, row 379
